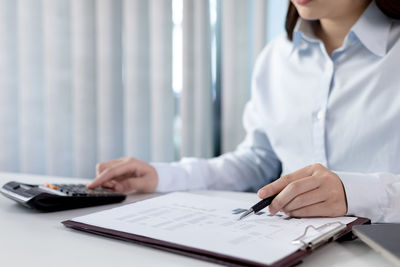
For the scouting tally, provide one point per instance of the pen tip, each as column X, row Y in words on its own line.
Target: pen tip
column 245, row 214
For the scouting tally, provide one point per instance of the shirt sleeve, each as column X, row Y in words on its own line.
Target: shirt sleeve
column 252, row 165
column 375, row 196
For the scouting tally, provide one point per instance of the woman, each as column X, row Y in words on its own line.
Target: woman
column 325, row 96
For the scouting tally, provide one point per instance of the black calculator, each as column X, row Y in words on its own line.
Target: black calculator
column 54, row 197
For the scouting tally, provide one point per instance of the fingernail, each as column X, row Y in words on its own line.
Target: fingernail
column 261, row 193
column 272, row 210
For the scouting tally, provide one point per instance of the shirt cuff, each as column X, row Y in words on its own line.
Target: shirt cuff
column 170, row 177
column 366, row 195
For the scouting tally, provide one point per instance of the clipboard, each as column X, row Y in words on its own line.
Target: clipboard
column 309, row 241
column 342, row 232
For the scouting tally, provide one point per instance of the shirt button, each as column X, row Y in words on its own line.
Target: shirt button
column 320, row 115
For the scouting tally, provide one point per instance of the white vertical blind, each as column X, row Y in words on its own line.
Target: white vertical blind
column 203, row 141
column 162, row 99
column 137, row 85
column 260, row 26
column 58, row 84
column 83, row 19
column 8, row 86
column 236, row 66
column 188, row 84
column 196, row 100
column 88, row 81
column 109, row 79
column 31, row 87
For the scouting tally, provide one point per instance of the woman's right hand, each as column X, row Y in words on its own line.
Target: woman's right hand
column 125, row 174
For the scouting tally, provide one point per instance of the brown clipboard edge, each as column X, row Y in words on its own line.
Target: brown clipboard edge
column 291, row 260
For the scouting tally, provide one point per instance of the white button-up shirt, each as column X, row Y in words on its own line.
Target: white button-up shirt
column 342, row 111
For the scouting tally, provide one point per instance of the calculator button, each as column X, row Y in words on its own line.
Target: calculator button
column 55, row 187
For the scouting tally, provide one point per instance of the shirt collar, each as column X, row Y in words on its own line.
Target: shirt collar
column 303, row 31
column 372, row 29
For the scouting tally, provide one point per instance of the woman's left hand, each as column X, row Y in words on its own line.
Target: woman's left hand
column 308, row 192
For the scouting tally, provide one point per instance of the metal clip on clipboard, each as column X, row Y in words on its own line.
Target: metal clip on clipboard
column 314, row 237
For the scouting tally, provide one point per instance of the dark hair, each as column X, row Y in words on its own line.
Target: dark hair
column 390, row 8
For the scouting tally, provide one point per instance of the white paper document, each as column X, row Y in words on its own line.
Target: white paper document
column 209, row 223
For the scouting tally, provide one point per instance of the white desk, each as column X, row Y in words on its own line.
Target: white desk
column 30, row 238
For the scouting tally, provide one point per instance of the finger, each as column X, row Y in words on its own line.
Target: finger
column 109, row 184
column 100, row 167
column 118, row 187
column 305, row 199
column 322, row 209
column 128, row 185
column 114, row 171
column 114, row 185
column 291, row 191
column 123, row 177
column 278, row 185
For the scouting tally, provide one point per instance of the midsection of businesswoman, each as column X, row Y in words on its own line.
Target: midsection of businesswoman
column 323, row 122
